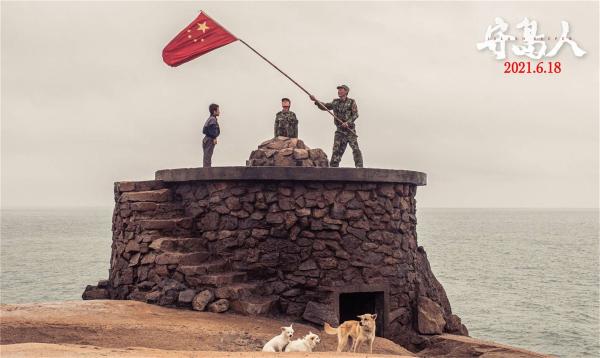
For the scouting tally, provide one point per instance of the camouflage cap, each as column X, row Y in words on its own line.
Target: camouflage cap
column 344, row 87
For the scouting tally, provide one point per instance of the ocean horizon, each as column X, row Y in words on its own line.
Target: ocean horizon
column 526, row 277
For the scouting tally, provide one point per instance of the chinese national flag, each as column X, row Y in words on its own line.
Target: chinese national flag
column 201, row 36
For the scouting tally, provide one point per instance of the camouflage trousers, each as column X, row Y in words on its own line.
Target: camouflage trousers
column 340, row 141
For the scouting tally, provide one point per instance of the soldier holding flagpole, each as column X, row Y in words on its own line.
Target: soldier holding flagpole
column 346, row 111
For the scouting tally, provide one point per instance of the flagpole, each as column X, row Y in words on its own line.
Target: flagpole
column 321, row 104
column 277, row 68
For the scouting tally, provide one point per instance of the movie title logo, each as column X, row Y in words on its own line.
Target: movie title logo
column 529, row 44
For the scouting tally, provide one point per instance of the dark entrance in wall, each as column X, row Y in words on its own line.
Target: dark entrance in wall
column 353, row 304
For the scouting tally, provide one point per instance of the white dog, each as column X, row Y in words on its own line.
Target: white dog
column 277, row 343
column 306, row 344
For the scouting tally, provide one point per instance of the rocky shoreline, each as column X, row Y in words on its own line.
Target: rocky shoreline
column 112, row 327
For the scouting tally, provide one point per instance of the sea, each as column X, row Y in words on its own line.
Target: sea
column 523, row 277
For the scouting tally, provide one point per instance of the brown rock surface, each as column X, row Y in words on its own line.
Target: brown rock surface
column 219, row 306
column 449, row 345
column 319, row 314
column 35, row 350
column 430, row 317
column 107, row 328
column 117, row 325
column 95, row 293
column 201, row 300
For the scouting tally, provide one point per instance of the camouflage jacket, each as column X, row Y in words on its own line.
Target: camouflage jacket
column 286, row 124
column 345, row 110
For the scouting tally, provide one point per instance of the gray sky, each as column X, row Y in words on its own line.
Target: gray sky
column 87, row 100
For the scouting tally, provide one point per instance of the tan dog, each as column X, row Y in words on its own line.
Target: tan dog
column 363, row 331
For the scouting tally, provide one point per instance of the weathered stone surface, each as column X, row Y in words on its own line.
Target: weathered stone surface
column 168, row 298
column 186, row 296
column 219, row 306
column 180, row 245
column 300, row 154
column 287, row 152
column 170, row 284
column 160, row 195
column 449, row 345
column 125, row 186
column 430, row 317
column 254, row 305
column 143, row 206
column 202, row 299
column 397, row 313
column 308, row 265
column 455, row 326
column 148, row 259
column 134, row 260
column 170, row 258
column 236, row 291
column 314, row 176
column 132, row 246
column 327, row 263
column 95, row 293
column 303, row 212
column 153, row 297
column 164, row 224
column 274, row 218
column 137, row 296
column 219, row 279
column 319, row 313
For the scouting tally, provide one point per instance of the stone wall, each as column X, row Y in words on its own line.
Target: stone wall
column 279, row 247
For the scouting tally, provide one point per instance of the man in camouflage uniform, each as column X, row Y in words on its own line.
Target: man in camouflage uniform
column 345, row 110
column 286, row 124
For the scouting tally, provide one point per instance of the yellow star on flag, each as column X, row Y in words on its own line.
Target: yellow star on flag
column 202, row 27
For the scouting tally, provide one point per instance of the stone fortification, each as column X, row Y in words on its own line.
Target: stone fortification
column 315, row 244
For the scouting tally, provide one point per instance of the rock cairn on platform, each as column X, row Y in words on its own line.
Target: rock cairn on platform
column 286, row 152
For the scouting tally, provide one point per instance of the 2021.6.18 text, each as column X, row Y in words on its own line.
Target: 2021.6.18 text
column 528, row 67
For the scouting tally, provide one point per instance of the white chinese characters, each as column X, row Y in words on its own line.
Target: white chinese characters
column 533, row 44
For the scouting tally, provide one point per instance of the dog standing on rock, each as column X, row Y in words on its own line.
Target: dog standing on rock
column 306, row 344
column 278, row 343
column 360, row 331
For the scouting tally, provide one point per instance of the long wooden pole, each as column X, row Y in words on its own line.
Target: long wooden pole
column 321, row 104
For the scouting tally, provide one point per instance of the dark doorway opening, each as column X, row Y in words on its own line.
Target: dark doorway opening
column 354, row 304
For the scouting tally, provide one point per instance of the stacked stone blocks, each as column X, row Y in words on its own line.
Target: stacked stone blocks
column 280, row 247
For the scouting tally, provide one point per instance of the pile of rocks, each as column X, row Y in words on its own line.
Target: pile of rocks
column 205, row 299
column 169, row 292
column 286, row 152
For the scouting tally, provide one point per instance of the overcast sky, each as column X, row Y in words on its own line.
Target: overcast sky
column 87, row 100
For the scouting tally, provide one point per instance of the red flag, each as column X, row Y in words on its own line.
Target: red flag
column 201, row 36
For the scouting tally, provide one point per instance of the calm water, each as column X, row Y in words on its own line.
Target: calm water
column 528, row 278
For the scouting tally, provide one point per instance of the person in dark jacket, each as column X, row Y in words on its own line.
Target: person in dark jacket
column 211, row 131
